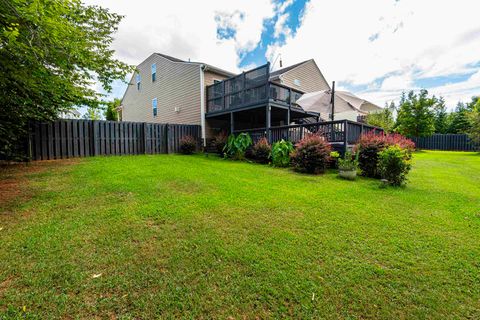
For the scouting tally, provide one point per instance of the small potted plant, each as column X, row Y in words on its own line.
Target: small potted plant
column 347, row 167
column 334, row 155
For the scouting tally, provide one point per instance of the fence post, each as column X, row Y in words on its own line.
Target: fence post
column 144, row 137
column 95, row 138
column 167, row 136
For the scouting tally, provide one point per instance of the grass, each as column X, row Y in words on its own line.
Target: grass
column 199, row 237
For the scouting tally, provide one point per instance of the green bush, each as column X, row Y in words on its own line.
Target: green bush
column 348, row 162
column 188, row 145
column 261, row 151
column 281, row 153
column 236, row 146
column 394, row 165
column 311, row 154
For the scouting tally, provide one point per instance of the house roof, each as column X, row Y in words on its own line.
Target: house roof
column 208, row 66
column 279, row 72
column 169, row 57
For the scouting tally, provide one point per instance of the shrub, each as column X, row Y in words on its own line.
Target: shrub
column 311, row 154
column 281, row 153
column 394, row 164
column 370, row 144
column 261, row 151
column 348, row 162
column 219, row 141
column 236, row 146
column 188, row 144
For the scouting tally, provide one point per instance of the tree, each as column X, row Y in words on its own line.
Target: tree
column 441, row 116
column 111, row 111
column 473, row 103
column 383, row 118
column 415, row 114
column 459, row 119
column 92, row 114
column 474, row 117
column 51, row 52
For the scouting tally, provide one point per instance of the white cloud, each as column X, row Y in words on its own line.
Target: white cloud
column 281, row 26
column 452, row 92
column 188, row 29
column 359, row 42
column 397, row 82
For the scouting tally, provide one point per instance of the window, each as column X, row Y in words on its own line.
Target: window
column 139, row 79
column 154, row 72
column 154, row 106
column 297, row 82
column 216, row 81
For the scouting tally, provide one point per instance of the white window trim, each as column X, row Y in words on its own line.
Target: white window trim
column 155, row 107
column 152, row 72
column 138, row 79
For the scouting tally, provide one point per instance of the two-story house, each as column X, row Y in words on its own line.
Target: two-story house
column 165, row 89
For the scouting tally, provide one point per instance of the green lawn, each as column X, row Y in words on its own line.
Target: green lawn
column 200, row 237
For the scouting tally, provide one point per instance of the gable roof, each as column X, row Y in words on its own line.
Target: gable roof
column 169, row 57
column 207, row 66
column 277, row 73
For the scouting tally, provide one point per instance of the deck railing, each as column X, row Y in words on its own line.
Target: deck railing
column 344, row 132
column 248, row 89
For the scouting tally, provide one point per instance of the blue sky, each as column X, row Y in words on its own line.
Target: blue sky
column 375, row 48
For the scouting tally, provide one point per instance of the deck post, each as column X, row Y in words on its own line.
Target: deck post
column 268, row 122
column 288, row 111
column 232, row 127
column 345, row 136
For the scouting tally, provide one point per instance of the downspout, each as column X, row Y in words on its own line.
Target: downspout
column 202, row 103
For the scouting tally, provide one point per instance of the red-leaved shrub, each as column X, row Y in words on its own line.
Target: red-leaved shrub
column 188, row 144
column 370, row 144
column 261, row 151
column 219, row 141
column 311, row 154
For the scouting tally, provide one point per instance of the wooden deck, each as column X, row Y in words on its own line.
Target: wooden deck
column 342, row 134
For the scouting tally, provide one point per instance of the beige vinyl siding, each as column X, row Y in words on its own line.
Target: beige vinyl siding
column 310, row 77
column 209, row 79
column 177, row 85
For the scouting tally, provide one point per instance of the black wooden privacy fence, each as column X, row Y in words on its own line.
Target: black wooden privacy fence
column 83, row 138
column 452, row 142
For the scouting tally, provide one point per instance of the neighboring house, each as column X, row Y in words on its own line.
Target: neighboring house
column 70, row 114
column 165, row 89
column 304, row 76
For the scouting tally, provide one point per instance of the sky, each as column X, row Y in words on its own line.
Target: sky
column 373, row 48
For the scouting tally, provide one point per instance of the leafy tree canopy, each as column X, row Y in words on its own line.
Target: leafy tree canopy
column 111, row 110
column 474, row 118
column 51, row 52
column 384, row 118
column 459, row 119
column 416, row 114
column 441, row 117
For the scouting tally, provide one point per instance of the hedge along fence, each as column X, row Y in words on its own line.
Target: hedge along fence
column 63, row 139
column 451, row 142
